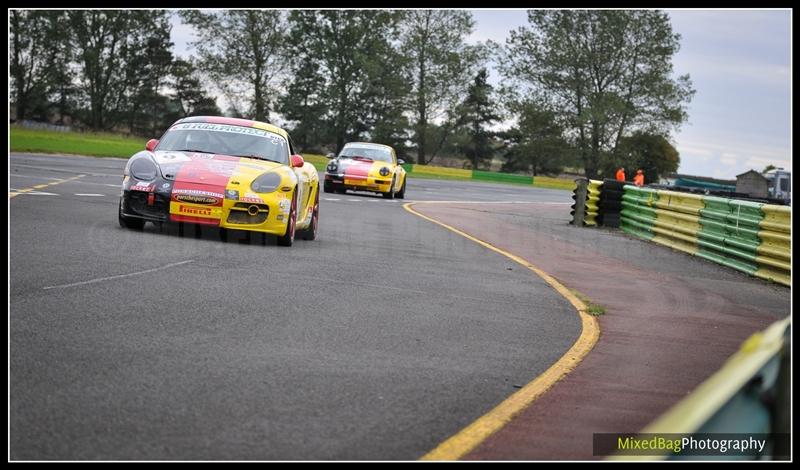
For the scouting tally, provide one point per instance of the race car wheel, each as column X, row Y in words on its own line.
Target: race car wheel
column 288, row 238
column 402, row 193
column 310, row 233
column 328, row 188
column 129, row 222
column 390, row 193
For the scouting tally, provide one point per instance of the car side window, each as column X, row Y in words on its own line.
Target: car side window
column 291, row 146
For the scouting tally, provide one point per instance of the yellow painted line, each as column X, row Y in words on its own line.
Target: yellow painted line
column 479, row 430
column 40, row 186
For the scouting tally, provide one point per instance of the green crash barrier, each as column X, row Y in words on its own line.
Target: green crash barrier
column 748, row 236
column 481, row 175
column 732, row 400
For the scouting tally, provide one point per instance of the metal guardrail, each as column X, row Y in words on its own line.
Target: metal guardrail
column 748, row 236
column 748, row 395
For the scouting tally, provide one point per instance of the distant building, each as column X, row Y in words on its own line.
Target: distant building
column 753, row 184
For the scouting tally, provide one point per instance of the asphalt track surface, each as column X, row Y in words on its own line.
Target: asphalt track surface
column 672, row 320
column 379, row 340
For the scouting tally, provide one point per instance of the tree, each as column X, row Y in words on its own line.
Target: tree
column 148, row 60
column 32, row 58
column 345, row 47
column 477, row 113
column 122, row 57
column 62, row 90
column 98, row 38
column 650, row 152
column 189, row 96
column 440, row 64
column 607, row 73
column 768, row 168
column 303, row 103
column 244, row 52
column 536, row 143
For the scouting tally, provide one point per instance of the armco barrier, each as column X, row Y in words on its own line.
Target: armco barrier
column 749, row 236
column 748, row 395
column 502, row 177
column 459, row 173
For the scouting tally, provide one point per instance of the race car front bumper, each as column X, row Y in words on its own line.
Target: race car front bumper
column 358, row 183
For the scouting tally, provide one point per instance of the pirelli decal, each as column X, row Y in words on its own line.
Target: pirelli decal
column 177, row 208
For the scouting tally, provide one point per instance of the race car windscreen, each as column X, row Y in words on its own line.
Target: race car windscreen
column 373, row 153
column 225, row 139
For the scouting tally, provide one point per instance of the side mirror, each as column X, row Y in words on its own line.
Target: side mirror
column 330, row 155
column 151, row 145
column 297, row 161
column 400, row 161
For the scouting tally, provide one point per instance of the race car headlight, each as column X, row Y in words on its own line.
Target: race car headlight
column 266, row 183
column 143, row 169
column 332, row 166
column 384, row 171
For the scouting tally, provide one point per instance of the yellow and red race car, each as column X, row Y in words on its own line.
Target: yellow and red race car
column 223, row 172
column 363, row 166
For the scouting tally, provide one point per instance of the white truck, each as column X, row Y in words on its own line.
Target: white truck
column 780, row 183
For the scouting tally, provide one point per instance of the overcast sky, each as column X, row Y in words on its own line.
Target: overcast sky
column 740, row 65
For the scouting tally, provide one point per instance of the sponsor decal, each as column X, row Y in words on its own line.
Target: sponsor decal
column 197, row 192
column 232, row 194
column 204, row 126
column 199, row 211
column 285, row 205
column 252, row 197
column 146, row 187
column 196, row 199
column 166, row 158
column 222, row 168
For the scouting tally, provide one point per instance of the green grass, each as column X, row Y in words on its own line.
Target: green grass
column 76, row 143
column 319, row 161
column 592, row 308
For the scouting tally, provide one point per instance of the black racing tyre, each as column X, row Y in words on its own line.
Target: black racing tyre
column 613, row 185
column 310, row 233
column 287, row 239
column 402, row 193
column 610, row 205
column 129, row 222
column 327, row 187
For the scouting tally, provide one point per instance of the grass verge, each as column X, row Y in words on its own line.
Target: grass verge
column 94, row 144
column 592, row 308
